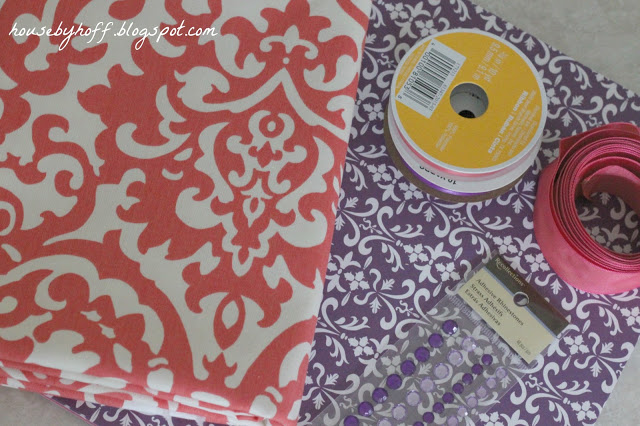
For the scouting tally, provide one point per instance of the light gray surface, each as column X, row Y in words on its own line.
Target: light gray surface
column 602, row 34
column 18, row 408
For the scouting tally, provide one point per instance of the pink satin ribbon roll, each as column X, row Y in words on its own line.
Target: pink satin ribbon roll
column 606, row 159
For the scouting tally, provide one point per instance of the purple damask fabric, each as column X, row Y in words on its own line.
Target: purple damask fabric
column 396, row 249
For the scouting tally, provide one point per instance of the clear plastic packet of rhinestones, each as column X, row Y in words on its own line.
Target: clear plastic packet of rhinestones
column 447, row 369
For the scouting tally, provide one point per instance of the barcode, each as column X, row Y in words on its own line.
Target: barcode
column 430, row 78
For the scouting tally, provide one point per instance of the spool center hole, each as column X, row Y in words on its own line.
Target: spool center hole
column 469, row 100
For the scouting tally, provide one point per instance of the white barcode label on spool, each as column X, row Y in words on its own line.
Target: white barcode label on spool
column 430, row 78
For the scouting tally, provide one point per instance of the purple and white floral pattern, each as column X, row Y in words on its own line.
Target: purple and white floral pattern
column 397, row 250
column 410, row 247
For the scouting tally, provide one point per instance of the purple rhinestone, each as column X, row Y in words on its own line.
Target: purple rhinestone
column 455, row 358
column 438, row 407
column 365, row 409
column 394, row 381
column 399, row 412
column 467, row 378
column 384, row 422
column 458, row 388
column 472, row 401
column 501, row 373
column 450, row 327
column 477, row 369
column 413, row 398
column 422, row 354
column 447, row 397
column 408, row 368
column 487, row 359
column 491, row 382
column 418, row 424
column 428, row 417
column 436, row 340
column 351, row 421
column 379, row 395
column 468, row 344
column 441, row 370
column 427, row 385
column 452, row 421
column 481, row 391
column 462, row 412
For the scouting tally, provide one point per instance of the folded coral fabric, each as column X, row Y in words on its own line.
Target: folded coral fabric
column 166, row 203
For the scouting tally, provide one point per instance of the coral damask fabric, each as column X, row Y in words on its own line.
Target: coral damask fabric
column 167, row 206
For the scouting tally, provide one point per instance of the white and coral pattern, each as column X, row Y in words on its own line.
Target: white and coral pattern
column 166, row 212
